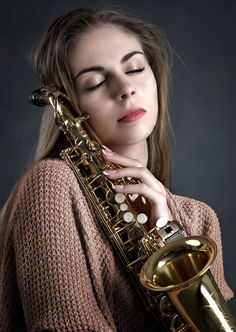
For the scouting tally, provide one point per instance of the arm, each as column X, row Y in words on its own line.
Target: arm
column 51, row 264
column 197, row 218
column 212, row 230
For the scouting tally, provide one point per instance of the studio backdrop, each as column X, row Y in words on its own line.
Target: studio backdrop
column 202, row 102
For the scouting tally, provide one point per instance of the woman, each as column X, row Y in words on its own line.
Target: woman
column 58, row 269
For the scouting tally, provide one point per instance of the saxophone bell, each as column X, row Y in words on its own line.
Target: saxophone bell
column 181, row 270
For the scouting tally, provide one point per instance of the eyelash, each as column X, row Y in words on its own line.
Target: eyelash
column 92, row 88
column 135, row 70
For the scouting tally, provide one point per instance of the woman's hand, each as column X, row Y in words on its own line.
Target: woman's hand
column 149, row 186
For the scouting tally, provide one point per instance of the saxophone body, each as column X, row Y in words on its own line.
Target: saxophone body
column 170, row 271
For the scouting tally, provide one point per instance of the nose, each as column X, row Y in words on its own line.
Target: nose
column 126, row 93
column 123, row 88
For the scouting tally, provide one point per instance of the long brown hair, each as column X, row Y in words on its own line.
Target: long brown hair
column 52, row 67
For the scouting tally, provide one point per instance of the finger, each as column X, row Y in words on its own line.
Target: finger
column 141, row 173
column 142, row 189
column 159, row 206
column 120, row 160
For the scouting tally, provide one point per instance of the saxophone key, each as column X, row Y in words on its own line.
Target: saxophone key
column 128, row 217
column 120, row 198
column 136, row 234
column 142, row 218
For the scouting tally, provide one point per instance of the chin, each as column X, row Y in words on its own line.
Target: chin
column 131, row 139
column 128, row 136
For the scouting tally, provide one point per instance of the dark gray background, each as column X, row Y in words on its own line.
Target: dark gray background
column 202, row 102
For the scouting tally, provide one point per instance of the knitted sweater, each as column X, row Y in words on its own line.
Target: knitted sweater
column 59, row 272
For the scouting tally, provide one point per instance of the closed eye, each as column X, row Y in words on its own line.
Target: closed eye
column 138, row 70
column 94, row 87
column 133, row 71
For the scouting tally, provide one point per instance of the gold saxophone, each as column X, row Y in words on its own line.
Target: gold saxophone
column 179, row 289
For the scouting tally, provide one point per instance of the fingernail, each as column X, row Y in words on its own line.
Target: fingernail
column 109, row 172
column 118, row 187
column 107, row 152
column 106, row 148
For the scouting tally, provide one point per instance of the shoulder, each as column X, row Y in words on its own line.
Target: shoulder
column 45, row 185
column 191, row 206
column 51, row 170
column 48, row 200
column 47, row 177
column 196, row 216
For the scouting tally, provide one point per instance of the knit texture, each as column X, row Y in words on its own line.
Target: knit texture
column 59, row 272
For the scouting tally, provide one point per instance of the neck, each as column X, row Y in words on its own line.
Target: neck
column 135, row 151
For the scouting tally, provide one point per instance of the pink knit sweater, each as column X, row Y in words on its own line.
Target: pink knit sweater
column 58, row 271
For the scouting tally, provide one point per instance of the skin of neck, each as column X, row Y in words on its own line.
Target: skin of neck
column 137, row 151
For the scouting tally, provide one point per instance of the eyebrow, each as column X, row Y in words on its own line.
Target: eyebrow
column 125, row 58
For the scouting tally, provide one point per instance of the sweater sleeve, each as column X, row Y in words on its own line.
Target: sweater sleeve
column 211, row 228
column 51, row 266
column 197, row 218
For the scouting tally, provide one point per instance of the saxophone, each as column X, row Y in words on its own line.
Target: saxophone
column 170, row 271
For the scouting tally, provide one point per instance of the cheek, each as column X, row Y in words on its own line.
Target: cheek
column 153, row 85
column 149, row 84
column 93, row 108
column 154, row 93
column 86, row 105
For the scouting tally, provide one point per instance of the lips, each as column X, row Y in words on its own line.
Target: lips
column 132, row 115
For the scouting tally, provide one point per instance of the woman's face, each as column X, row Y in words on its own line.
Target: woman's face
column 115, row 85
